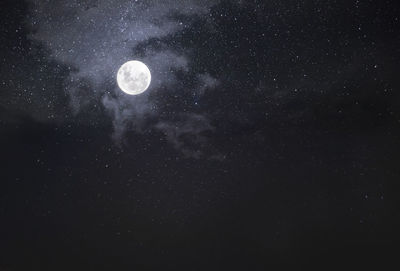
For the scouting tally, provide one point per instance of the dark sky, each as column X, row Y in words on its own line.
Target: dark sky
column 268, row 138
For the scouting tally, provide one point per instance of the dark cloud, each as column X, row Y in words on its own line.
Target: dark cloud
column 206, row 81
column 187, row 134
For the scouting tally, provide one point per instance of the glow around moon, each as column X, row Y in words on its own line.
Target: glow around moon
column 134, row 77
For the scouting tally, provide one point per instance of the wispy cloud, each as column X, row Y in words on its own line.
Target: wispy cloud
column 187, row 134
column 93, row 38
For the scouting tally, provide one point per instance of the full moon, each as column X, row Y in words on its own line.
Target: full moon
column 133, row 77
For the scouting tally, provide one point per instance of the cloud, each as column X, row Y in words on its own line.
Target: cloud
column 206, row 81
column 187, row 134
column 94, row 38
column 126, row 114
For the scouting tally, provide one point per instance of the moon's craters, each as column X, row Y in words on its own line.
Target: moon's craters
column 134, row 77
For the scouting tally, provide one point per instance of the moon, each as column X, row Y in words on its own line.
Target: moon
column 133, row 77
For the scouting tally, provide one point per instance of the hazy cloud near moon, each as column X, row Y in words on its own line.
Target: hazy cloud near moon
column 94, row 38
column 191, row 128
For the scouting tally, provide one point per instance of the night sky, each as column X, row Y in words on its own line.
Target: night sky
column 268, row 139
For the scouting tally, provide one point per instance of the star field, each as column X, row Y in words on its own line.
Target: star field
column 268, row 138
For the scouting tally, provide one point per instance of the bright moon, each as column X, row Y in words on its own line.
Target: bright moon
column 133, row 77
